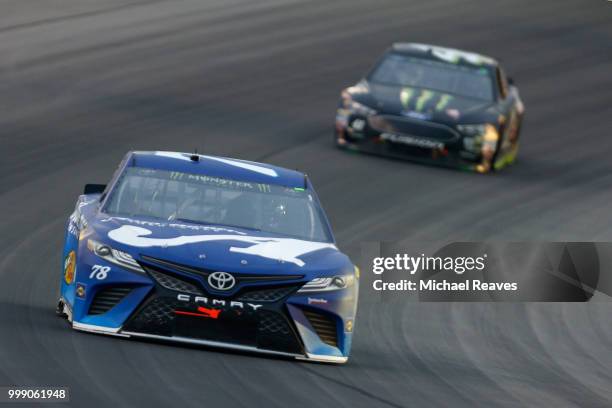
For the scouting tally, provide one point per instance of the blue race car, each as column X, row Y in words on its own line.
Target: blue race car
column 209, row 250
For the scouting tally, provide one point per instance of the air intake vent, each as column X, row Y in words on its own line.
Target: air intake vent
column 266, row 295
column 173, row 283
column 107, row 298
column 273, row 323
column 325, row 326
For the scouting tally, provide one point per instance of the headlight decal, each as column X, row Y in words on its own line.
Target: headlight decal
column 328, row 284
column 479, row 137
column 114, row 256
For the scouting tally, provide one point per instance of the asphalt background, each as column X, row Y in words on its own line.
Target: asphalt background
column 82, row 82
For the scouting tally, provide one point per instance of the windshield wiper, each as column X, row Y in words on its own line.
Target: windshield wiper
column 193, row 221
column 240, row 226
column 216, row 224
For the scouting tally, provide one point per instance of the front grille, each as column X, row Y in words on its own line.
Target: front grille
column 173, row 282
column 413, row 151
column 413, row 127
column 324, row 325
column 155, row 317
column 275, row 333
column 264, row 329
column 267, row 295
column 106, row 299
column 273, row 323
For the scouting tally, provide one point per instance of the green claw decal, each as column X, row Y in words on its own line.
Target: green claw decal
column 443, row 102
column 405, row 96
column 423, row 98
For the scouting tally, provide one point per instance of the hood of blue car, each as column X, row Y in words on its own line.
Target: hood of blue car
column 219, row 247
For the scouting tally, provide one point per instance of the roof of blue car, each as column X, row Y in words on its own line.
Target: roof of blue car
column 216, row 166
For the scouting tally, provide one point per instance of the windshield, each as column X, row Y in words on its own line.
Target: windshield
column 401, row 70
column 202, row 199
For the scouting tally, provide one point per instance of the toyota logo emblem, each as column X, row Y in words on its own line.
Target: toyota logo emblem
column 221, row 281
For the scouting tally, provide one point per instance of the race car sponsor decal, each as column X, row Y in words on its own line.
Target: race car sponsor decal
column 443, row 101
column 348, row 327
column 77, row 221
column 216, row 181
column 415, row 103
column 81, row 291
column 202, row 312
column 69, row 267
column 281, row 249
column 177, row 225
column 212, row 313
column 72, row 226
column 411, row 141
column 236, row 163
column 423, row 99
column 405, row 96
column 232, row 304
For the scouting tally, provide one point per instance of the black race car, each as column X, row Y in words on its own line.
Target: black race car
column 433, row 104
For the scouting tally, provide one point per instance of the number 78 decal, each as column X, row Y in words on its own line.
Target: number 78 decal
column 99, row 272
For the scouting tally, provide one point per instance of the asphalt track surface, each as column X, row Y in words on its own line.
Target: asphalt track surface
column 82, row 82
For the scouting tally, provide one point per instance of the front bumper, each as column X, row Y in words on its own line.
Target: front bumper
column 267, row 318
column 408, row 139
column 208, row 343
